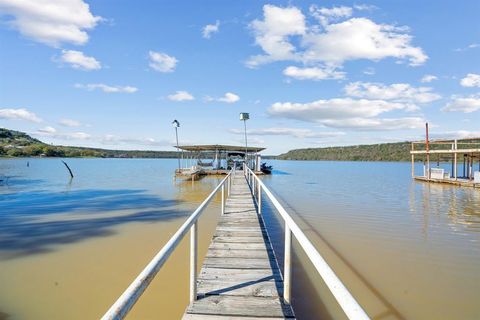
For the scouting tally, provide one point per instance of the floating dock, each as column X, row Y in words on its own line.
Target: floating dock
column 240, row 276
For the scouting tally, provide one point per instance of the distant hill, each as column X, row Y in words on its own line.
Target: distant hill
column 19, row 144
column 399, row 151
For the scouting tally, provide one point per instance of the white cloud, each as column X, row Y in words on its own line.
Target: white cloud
column 329, row 44
column 463, row 104
column 51, row 132
column 162, row 62
column 369, row 71
column 460, row 134
column 314, row 73
column 181, row 96
column 360, row 38
column 51, row 21
column 48, row 130
column 294, row 132
column 78, row 60
column 209, row 29
column 326, row 15
column 106, row 88
column 376, row 124
column 227, row 98
column 272, row 33
column 471, row 80
column 69, row 123
column 19, row 114
column 428, row 78
column 398, row 92
column 470, row 46
column 111, row 139
column 356, row 114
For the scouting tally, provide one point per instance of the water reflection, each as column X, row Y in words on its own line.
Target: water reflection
column 35, row 222
column 460, row 205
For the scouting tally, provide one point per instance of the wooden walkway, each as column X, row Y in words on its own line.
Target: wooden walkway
column 240, row 278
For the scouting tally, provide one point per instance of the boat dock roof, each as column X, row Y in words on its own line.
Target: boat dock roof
column 220, row 147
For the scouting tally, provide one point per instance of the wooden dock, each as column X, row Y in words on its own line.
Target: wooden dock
column 240, row 276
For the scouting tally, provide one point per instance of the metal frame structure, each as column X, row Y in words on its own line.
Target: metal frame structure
column 347, row 302
column 131, row 295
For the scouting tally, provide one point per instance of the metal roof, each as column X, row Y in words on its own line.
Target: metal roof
column 220, row 147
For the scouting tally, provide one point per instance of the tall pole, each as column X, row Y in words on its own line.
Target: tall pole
column 176, row 136
column 176, row 124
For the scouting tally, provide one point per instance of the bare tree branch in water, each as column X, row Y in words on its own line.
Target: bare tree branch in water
column 69, row 170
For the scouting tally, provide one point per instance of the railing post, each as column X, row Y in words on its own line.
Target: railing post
column 259, row 199
column 228, row 185
column 223, row 198
column 287, row 268
column 193, row 262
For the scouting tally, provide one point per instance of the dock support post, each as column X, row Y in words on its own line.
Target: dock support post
column 287, row 268
column 223, row 198
column 413, row 162
column 193, row 262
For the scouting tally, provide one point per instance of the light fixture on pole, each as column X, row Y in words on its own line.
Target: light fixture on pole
column 244, row 116
column 176, row 124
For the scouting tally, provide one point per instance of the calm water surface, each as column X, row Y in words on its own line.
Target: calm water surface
column 68, row 248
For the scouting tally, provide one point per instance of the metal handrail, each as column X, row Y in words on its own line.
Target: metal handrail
column 130, row 296
column 347, row 302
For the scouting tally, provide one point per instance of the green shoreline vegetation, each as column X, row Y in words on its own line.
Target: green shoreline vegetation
column 19, row 144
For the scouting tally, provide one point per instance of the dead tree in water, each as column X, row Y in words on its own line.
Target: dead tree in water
column 69, row 170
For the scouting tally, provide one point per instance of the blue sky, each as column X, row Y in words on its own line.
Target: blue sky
column 114, row 74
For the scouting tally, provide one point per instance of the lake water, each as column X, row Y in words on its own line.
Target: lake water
column 68, row 248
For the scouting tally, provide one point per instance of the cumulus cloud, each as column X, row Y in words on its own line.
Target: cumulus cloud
column 106, row 88
column 51, row 132
column 162, row 62
column 376, row 124
column 356, row 114
column 331, row 43
column 78, row 60
column 313, row 73
column 294, row 132
column 272, row 34
column 397, row 92
column 49, row 21
column 209, row 29
column 428, row 78
column 19, row 114
column 69, row 123
column 471, row 80
column 463, row 104
column 180, row 96
column 111, row 139
column 325, row 15
column 227, row 98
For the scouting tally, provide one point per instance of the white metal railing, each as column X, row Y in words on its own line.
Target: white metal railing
column 130, row 296
column 347, row 302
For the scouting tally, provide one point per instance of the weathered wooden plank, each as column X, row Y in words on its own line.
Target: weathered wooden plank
column 241, row 306
column 258, row 239
column 238, row 246
column 189, row 316
column 240, row 278
column 238, row 263
column 247, row 254
column 256, row 288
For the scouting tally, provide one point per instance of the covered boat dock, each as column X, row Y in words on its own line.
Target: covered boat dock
column 216, row 159
column 462, row 157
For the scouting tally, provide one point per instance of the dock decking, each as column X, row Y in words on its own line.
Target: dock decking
column 240, row 276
